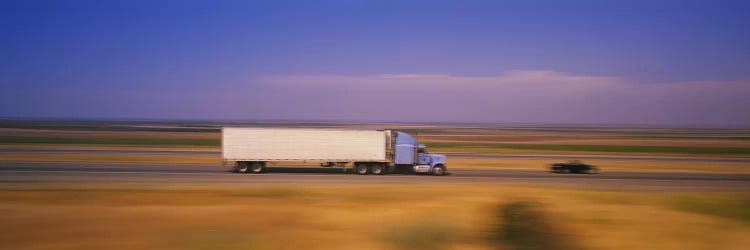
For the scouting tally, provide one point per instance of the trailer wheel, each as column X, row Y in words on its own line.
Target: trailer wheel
column 377, row 168
column 240, row 167
column 361, row 169
column 257, row 168
column 438, row 170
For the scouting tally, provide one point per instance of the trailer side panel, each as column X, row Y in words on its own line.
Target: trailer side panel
column 291, row 144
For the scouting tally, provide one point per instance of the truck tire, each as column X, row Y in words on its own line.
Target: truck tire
column 240, row 167
column 438, row 170
column 361, row 169
column 257, row 168
column 377, row 168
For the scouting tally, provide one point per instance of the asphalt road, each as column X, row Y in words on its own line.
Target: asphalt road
column 603, row 157
column 174, row 173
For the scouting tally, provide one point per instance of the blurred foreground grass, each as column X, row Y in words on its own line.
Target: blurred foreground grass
column 524, row 226
column 388, row 216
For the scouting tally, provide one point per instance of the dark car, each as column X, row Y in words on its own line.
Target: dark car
column 573, row 167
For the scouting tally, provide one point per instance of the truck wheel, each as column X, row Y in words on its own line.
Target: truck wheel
column 377, row 169
column 241, row 167
column 361, row 169
column 438, row 170
column 257, row 168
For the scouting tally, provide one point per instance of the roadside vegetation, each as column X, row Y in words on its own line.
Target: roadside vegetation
column 427, row 234
column 732, row 207
column 125, row 215
column 524, row 226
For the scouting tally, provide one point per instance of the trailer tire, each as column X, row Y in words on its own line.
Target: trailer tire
column 377, row 168
column 257, row 167
column 240, row 167
column 438, row 170
column 361, row 169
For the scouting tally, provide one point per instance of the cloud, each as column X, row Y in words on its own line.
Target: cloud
column 511, row 97
column 509, row 79
column 515, row 96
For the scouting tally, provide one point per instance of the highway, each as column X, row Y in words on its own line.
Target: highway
column 177, row 173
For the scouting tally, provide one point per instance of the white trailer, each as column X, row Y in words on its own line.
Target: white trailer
column 371, row 151
column 285, row 144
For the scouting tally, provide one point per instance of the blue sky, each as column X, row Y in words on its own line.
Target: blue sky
column 604, row 62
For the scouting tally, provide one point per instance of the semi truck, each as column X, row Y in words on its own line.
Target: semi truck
column 377, row 152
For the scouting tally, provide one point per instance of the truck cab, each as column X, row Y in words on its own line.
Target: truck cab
column 409, row 154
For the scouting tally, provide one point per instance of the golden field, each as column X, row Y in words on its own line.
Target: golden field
column 388, row 216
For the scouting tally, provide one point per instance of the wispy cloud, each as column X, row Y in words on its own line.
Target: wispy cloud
column 511, row 97
column 515, row 96
column 518, row 78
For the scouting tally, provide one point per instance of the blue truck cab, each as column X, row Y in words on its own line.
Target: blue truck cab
column 409, row 154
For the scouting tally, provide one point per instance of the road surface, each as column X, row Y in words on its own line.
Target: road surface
column 176, row 173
